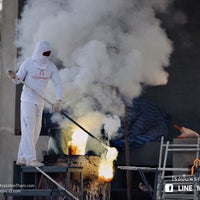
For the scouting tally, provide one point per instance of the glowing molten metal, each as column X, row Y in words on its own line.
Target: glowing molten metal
column 78, row 143
column 106, row 165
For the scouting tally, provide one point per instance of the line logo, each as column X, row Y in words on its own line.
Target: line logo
column 169, row 188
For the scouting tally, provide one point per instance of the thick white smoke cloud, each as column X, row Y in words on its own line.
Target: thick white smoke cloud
column 108, row 48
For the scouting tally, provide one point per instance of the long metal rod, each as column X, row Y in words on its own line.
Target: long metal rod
column 181, row 145
column 91, row 135
column 158, row 174
column 197, row 153
column 165, row 159
column 63, row 113
column 185, row 149
column 56, row 183
column 161, row 150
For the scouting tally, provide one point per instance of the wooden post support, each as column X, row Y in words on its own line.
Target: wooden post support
column 128, row 172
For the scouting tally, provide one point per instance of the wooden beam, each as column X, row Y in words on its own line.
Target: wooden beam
column 127, row 152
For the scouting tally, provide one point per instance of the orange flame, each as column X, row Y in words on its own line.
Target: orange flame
column 72, row 150
column 78, row 144
column 106, row 172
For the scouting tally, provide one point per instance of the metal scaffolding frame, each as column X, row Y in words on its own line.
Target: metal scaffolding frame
column 166, row 186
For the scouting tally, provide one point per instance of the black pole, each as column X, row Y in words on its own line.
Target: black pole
column 127, row 153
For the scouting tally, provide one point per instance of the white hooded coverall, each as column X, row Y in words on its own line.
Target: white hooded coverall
column 36, row 73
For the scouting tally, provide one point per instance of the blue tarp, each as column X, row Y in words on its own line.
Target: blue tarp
column 146, row 123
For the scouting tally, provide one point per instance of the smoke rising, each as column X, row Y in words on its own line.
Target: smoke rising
column 108, row 48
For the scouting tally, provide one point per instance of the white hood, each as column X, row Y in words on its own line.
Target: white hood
column 41, row 47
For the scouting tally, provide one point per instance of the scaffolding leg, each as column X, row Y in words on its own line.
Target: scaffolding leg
column 56, row 183
column 146, row 183
column 157, row 174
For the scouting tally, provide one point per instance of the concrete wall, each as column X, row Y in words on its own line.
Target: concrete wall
column 8, row 140
column 7, row 92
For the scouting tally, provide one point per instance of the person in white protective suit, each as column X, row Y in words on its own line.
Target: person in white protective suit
column 35, row 72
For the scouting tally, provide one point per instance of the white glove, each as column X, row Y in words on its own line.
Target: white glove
column 57, row 106
column 11, row 74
